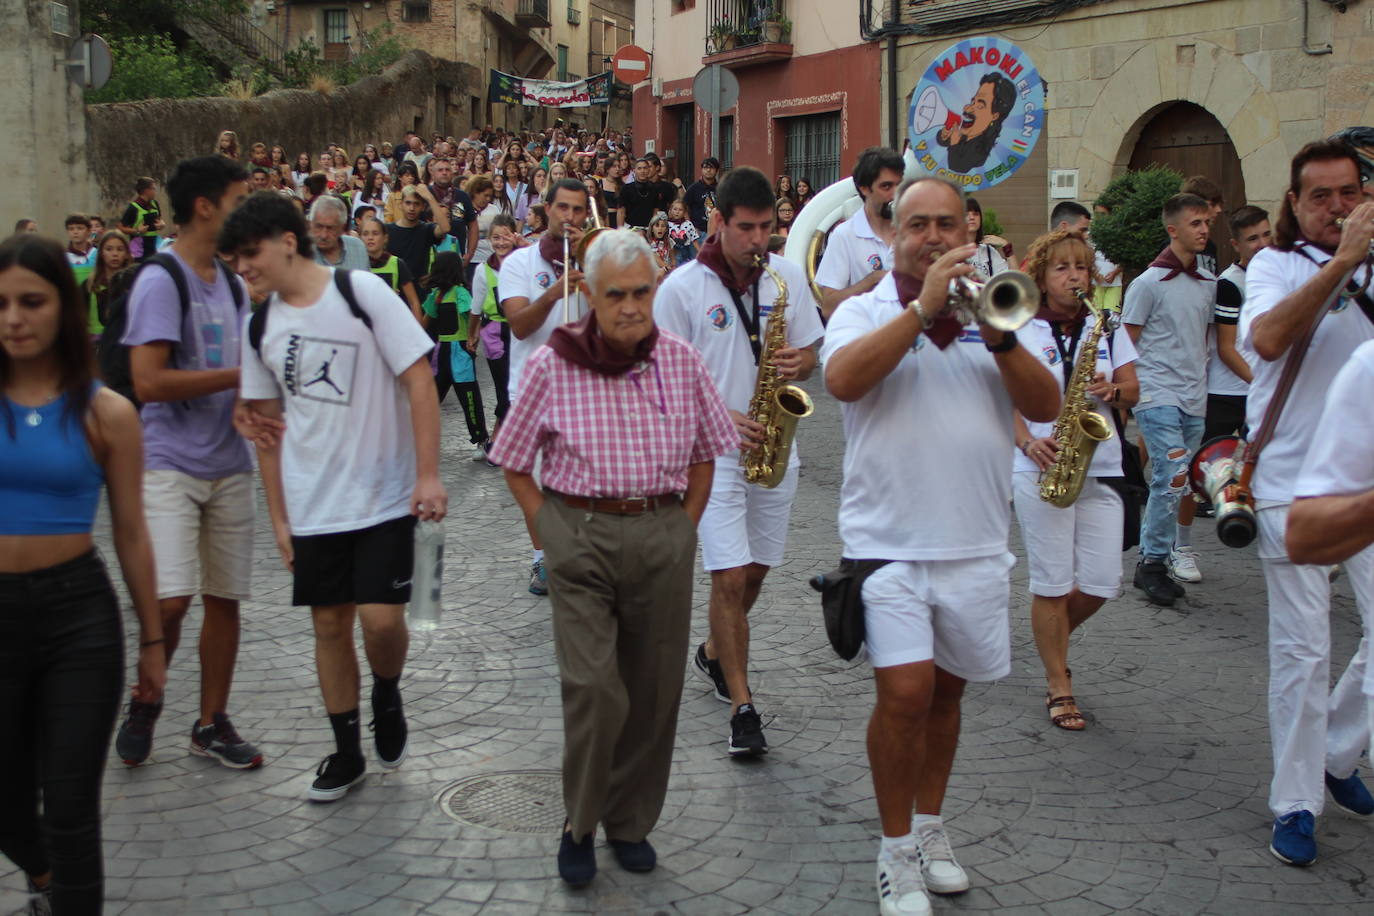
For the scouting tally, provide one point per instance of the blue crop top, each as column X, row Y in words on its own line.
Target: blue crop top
column 49, row 480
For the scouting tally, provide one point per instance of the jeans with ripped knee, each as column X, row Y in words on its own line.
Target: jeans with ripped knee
column 1171, row 437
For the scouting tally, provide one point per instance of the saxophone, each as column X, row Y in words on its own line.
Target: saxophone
column 1079, row 427
column 775, row 405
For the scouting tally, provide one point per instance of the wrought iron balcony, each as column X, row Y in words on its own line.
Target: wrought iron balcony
column 533, row 14
column 743, row 32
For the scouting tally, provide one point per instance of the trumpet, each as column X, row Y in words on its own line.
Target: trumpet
column 578, row 253
column 1369, row 269
column 1005, row 302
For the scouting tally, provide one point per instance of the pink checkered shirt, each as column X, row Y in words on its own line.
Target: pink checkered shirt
column 616, row 436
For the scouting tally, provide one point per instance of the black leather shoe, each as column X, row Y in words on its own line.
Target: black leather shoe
column 1153, row 579
column 634, row 856
column 577, row 859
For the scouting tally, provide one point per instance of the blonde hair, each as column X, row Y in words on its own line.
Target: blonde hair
column 1041, row 253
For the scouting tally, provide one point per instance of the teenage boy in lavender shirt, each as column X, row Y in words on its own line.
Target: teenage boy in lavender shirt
column 197, row 480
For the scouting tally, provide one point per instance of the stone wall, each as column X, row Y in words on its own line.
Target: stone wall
column 1112, row 66
column 130, row 139
column 41, row 118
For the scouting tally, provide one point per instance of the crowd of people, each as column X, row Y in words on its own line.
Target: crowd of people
column 306, row 317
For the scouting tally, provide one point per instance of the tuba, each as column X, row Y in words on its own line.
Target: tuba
column 1079, row 428
column 776, row 406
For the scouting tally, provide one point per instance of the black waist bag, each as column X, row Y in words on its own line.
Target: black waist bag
column 842, row 603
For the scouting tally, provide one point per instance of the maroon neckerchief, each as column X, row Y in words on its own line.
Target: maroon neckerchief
column 713, row 257
column 581, row 344
column 1170, row 262
column 1075, row 322
column 944, row 328
column 551, row 250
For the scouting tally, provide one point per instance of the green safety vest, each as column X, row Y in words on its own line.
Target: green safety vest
column 390, row 272
column 143, row 214
column 93, row 324
column 432, row 310
column 490, row 307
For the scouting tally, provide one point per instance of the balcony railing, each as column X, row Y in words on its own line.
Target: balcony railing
column 533, row 14
column 732, row 24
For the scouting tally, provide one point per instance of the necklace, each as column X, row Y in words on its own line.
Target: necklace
column 32, row 417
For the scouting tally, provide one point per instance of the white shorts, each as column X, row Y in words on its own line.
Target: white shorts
column 952, row 611
column 1080, row 545
column 745, row 523
column 202, row 533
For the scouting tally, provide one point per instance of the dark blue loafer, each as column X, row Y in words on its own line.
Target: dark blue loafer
column 577, row 859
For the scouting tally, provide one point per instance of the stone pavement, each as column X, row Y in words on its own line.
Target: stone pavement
column 1158, row 807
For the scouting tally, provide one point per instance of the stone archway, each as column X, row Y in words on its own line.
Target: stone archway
column 1152, row 79
column 1190, row 140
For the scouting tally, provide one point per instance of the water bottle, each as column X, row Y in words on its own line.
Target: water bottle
column 427, row 577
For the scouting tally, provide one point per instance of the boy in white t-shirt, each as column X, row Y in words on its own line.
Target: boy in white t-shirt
column 358, row 462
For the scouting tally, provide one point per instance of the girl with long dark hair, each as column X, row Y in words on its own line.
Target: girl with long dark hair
column 446, row 307
column 63, row 437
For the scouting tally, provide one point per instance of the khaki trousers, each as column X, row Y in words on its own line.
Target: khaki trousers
column 621, row 590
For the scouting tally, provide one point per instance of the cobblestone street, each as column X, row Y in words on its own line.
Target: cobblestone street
column 1158, row 807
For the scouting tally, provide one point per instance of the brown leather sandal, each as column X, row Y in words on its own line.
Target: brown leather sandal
column 1071, row 720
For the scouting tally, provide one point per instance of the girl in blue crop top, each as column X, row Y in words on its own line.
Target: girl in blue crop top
column 61, row 640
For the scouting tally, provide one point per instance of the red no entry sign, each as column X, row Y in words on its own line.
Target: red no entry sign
column 631, row 64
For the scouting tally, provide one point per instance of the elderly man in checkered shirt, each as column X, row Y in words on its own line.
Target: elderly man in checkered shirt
column 626, row 424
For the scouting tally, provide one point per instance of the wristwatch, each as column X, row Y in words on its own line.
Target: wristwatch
column 1007, row 345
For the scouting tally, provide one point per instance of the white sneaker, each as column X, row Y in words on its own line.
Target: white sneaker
column 942, row 874
column 901, row 890
column 1183, row 565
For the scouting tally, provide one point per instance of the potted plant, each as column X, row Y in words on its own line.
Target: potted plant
column 723, row 35
column 774, row 26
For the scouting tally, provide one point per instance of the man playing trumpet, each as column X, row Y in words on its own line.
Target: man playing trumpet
column 927, row 404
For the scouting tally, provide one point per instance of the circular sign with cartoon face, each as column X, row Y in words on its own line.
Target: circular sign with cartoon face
column 977, row 113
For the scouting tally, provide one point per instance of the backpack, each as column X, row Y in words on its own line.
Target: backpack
column 112, row 356
column 257, row 325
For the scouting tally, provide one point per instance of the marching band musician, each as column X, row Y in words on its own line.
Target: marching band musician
column 1074, row 552
column 532, row 284
column 722, row 303
column 927, row 407
column 627, row 423
column 1316, row 735
column 859, row 252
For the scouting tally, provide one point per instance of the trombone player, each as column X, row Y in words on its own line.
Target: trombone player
column 927, row 402
column 723, row 303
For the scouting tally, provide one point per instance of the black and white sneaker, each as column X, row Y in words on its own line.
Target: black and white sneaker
column 134, row 740
column 389, row 732
column 336, row 775
column 219, row 741
column 709, row 670
column 40, row 899
column 746, row 733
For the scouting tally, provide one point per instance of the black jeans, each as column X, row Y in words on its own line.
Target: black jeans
column 61, row 681
column 500, row 374
column 469, row 395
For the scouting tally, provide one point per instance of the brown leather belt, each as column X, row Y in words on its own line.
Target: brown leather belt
column 633, row 505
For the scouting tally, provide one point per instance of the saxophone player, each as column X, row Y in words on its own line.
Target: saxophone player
column 722, row 303
column 1074, row 552
column 927, row 404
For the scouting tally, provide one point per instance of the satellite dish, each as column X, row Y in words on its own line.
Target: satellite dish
column 89, row 63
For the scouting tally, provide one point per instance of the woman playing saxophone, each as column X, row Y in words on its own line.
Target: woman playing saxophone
column 1074, row 552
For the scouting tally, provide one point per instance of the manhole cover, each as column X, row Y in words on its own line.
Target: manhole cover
column 521, row 801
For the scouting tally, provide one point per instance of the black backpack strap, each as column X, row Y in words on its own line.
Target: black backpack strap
column 345, row 284
column 257, row 326
column 235, row 289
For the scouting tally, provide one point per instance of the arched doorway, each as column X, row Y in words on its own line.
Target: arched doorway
column 1189, row 139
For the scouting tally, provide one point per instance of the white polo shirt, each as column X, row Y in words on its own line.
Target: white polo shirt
column 1271, row 276
column 926, row 475
column 694, row 304
column 1038, row 338
column 853, row 252
column 524, row 274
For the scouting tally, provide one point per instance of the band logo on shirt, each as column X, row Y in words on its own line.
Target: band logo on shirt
column 720, row 317
column 1340, row 305
column 320, row 369
column 544, row 279
column 971, row 335
column 1051, row 355
column 875, row 262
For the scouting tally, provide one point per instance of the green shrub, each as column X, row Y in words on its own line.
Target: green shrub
column 1132, row 234
column 380, row 49
column 152, row 67
column 992, row 225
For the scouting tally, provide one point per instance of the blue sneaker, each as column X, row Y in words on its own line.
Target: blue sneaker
column 539, row 579
column 1350, row 794
column 1293, row 842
